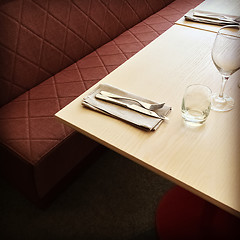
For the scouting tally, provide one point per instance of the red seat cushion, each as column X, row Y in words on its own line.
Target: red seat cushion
column 28, row 128
column 183, row 215
column 31, row 115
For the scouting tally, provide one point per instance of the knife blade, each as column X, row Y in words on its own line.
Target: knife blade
column 131, row 106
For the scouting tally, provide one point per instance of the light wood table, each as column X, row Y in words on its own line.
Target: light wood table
column 229, row 7
column 204, row 160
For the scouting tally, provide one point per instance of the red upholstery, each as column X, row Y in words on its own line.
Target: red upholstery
column 183, row 215
column 39, row 38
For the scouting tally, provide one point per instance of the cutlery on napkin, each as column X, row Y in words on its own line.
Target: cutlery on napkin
column 123, row 110
column 211, row 18
column 130, row 106
column 145, row 105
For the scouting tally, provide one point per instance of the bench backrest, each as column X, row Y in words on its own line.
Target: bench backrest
column 41, row 37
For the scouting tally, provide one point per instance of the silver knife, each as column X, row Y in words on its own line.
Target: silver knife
column 131, row 106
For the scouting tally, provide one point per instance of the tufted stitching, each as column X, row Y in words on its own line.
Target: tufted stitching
column 66, row 58
column 31, row 115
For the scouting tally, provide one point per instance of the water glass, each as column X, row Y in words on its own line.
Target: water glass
column 196, row 104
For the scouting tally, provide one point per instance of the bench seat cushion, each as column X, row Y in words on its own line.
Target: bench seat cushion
column 46, row 150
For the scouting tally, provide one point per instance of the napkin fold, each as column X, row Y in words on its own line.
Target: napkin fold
column 137, row 119
column 211, row 18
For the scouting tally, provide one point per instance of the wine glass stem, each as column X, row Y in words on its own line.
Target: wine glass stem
column 224, row 81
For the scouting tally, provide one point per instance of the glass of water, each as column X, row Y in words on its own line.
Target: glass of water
column 196, row 104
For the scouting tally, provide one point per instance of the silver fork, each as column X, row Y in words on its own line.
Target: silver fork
column 143, row 104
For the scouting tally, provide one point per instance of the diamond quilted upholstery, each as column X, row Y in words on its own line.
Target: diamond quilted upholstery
column 27, row 124
column 39, row 38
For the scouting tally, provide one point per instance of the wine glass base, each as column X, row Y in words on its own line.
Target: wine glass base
column 222, row 104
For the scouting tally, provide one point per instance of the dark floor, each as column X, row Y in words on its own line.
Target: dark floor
column 114, row 199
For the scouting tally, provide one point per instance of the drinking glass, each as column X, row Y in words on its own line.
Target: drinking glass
column 196, row 104
column 226, row 57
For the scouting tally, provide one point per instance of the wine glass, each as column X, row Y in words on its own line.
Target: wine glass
column 226, row 57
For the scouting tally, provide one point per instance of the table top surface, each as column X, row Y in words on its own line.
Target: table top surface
column 230, row 7
column 204, row 160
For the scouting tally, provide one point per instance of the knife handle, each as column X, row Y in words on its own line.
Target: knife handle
column 111, row 100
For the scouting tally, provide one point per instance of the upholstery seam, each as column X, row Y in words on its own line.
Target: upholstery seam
column 32, row 139
column 29, row 129
column 66, row 32
column 150, row 6
column 42, row 42
column 62, row 25
column 150, row 26
column 80, row 75
column 36, row 117
column 15, row 53
column 7, row 81
column 118, row 19
column 99, row 57
column 59, row 107
column 139, row 19
column 45, row 40
column 88, row 20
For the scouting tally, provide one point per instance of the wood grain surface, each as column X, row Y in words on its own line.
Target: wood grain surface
column 204, row 160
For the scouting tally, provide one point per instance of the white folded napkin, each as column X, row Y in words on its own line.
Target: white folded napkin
column 138, row 119
column 205, row 13
column 211, row 17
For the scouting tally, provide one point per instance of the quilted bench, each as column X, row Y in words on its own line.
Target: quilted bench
column 51, row 51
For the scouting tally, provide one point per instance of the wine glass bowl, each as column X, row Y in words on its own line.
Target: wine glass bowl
column 226, row 58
